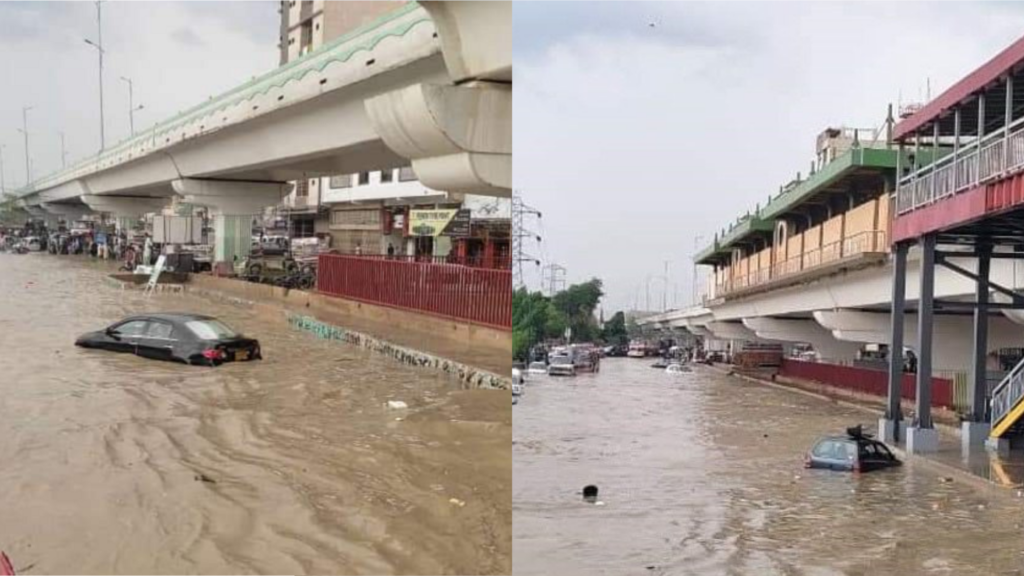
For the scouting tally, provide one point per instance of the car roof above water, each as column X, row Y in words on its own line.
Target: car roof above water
column 170, row 317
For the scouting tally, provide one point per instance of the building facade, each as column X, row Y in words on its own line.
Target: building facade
column 307, row 24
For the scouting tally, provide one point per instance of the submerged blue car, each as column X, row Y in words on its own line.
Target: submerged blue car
column 855, row 452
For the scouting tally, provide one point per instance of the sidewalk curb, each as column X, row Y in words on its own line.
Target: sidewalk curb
column 986, row 484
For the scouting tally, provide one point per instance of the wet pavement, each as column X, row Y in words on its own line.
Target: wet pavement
column 701, row 473
column 114, row 464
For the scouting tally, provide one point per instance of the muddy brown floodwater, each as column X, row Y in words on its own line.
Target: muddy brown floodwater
column 703, row 474
column 114, row 464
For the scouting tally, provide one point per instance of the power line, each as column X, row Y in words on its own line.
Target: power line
column 520, row 235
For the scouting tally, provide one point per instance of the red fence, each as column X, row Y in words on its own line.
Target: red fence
column 476, row 295
column 864, row 380
column 493, row 262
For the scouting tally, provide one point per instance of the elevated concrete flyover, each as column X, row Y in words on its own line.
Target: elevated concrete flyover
column 428, row 85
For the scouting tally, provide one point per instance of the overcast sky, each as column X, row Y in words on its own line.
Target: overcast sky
column 632, row 140
column 176, row 53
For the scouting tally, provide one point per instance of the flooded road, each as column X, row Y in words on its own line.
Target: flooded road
column 703, row 474
column 114, row 464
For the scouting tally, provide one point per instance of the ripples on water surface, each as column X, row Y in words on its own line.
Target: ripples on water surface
column 102, row 456
column 703, row 474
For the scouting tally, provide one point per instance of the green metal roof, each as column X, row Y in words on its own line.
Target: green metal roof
column 764, row 219
column 742, row 228
column 830, row 174
column 341, row 49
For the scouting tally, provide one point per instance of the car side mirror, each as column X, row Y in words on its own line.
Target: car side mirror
column 113, row 333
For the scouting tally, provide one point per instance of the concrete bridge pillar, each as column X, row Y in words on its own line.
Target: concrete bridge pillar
column 732, row 331
column 125, row 210
column 458, row 137
column 233, row 206
column 807, row 331
column 37, row 212
column 69, row 212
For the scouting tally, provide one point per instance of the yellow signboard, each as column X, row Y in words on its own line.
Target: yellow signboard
column 429, row 222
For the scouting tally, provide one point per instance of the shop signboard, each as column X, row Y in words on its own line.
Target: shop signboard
column 459, row 226
column 429, row 222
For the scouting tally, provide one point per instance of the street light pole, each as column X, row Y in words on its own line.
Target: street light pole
column 131, row 105
column 696, row 241
column 63, row 154
column 98, row 45
column 3, row 186
column 664, row 293
column 24, row 131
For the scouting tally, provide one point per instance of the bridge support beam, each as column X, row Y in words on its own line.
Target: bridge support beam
column 459, row 138
column 976, row 429
column 125, row 210
column 922, row 436
column 805, row 331
column 731, row 331
column 233, row 205
column 889, row 427
column 69, row 212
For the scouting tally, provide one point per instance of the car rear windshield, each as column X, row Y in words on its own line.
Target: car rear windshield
column 210, row 329
column 561, row 360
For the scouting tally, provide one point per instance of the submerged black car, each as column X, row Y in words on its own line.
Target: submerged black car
column 188, row 338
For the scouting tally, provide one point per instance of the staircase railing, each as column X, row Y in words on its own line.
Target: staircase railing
column 1005, row 397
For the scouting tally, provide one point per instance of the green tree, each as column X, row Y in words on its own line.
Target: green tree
column 577, row 304
column 530, row 319
column 615, row 330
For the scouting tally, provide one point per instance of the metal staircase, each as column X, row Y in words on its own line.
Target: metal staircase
column 1008, row 402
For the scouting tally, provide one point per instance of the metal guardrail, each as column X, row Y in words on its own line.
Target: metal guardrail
column 476, row 295
column 860, row 243
column 995, row 155
column 1007, row 394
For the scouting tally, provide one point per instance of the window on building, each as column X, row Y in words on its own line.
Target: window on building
column 317, row 25
column 387, row 176
column 341, row 181
column 302, row 188
column 364, row 178
column 405, row 174
column 302, row 228
column 362, row 218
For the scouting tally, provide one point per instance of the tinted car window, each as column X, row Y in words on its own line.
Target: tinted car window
column 846, row 451
column 133, row 328
column 824, row 449
column 210, row 329
column 159, row 330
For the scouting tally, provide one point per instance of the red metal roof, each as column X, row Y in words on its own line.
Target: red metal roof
column 968, row 85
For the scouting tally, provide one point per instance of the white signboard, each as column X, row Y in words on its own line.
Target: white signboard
column 156, row 273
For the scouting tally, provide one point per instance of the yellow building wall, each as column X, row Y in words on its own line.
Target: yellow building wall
column 794, row 249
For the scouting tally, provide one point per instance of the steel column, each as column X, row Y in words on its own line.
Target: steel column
column 935, row 150
column 979, row 384
column 899, row 301
column 924, row 332
column 1008, row 119
column 956, row 148
column 981, row 134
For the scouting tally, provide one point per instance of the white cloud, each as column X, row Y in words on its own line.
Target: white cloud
column 47, row 65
